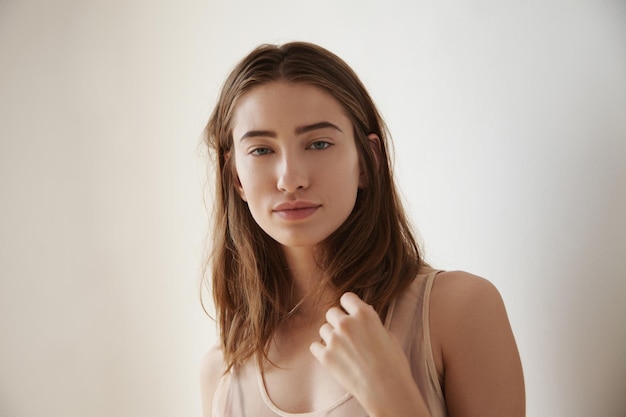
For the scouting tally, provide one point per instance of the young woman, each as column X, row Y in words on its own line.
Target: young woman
column 324, row 304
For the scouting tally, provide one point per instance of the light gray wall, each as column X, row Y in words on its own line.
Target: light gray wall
column 509, row 120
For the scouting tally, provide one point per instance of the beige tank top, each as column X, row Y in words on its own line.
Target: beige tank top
column 242, row 392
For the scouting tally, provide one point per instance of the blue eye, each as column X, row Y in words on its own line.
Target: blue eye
column 260, row 151
column 319, row 145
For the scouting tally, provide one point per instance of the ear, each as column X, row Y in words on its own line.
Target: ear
column 374, row 142
column 237, row 183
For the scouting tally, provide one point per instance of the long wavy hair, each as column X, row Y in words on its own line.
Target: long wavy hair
column 373, row 254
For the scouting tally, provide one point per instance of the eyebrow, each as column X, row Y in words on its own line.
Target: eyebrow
column 299, row 130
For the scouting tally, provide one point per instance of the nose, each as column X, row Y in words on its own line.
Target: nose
column 293, row 174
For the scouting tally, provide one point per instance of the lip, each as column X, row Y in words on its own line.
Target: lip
column 296, row 205
column 296, row 210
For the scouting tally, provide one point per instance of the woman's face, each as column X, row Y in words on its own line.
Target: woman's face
column 296, row 161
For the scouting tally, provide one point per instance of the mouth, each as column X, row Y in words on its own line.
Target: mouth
column 296, row 210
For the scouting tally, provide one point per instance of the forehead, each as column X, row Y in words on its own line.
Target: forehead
column 286, row 105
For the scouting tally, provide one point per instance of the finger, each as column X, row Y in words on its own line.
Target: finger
column 326, row 332
column 351, row 302
column 317, row 349
column 334, row 315
column 322, row 353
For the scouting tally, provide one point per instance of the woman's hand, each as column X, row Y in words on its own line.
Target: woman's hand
column 367, row 360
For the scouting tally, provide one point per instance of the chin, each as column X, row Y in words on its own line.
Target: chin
column 300, row 242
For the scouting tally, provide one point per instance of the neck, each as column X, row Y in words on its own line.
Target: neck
column 306, row 275
column 303, row 269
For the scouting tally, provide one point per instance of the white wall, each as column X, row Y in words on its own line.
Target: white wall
column 509, row 121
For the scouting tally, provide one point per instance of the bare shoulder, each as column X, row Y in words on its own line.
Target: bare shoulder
column 456, row 292
column 212, row 369
column 459, row 303
column 474, row 347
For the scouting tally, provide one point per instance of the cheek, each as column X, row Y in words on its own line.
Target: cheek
column 251, row 183
column 352, row 171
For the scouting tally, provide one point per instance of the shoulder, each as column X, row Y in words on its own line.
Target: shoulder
column 212, row 368
column 463, row 306
column 474, row 347
column 212, row 365
column 457, row 291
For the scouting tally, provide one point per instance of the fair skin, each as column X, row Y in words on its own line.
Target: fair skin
column 289, row 151
column 298, row 170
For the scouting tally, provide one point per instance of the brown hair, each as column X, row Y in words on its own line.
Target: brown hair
column 373, row 254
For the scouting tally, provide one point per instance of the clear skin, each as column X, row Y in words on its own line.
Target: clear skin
column 291, row 150
column 284, row 155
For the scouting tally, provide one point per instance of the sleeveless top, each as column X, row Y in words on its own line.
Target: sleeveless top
column 242, row 392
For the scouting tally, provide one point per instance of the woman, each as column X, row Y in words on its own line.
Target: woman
column 324, row 304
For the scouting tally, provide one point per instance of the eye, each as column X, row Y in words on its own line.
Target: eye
column 319, row 145
column 260, row 151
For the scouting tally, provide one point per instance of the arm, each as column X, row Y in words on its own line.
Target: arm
column 211, row 371
column 473, row 341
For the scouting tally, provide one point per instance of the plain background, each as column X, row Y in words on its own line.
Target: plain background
column 509, row 120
